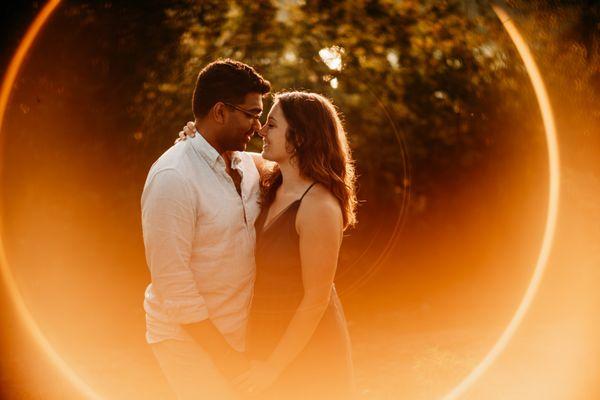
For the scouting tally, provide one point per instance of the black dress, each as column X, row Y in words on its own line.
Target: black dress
column 323, row 369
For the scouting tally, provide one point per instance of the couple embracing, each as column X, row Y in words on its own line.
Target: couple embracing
column 243, row 247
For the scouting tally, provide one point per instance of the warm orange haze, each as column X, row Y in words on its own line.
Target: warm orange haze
column 473, row 271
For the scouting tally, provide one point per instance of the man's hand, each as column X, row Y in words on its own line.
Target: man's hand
column 258, row 378
column 232, row 364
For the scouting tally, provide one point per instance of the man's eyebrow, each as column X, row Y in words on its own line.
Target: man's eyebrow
column 256, row 110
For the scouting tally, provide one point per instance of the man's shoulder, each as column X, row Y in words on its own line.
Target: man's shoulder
column 170, row 168
column 262, row 166
column 247, row 155
column 248, row 160
column 176, row 158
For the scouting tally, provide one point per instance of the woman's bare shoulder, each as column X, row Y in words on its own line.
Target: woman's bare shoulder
column 320, row 206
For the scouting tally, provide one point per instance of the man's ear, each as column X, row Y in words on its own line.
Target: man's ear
column 218, row 112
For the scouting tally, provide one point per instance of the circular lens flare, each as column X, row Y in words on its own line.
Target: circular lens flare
column 554, row 183
column 553, row 200
column 12, row 289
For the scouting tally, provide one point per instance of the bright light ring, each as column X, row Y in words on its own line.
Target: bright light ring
column 499, row 346
column 13, row 291
column 554, row 183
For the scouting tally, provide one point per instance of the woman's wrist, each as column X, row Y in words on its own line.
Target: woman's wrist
column 275, row 365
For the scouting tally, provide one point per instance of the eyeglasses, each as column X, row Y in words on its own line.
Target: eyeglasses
column 247, row 112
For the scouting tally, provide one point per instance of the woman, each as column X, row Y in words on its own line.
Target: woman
column 297, row 334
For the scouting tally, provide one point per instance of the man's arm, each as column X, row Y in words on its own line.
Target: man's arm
column 263, row 166
column 229, row 361
column 168, row 223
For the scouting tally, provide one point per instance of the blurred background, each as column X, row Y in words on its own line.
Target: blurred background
column 450, row 148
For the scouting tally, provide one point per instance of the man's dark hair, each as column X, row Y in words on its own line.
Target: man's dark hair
column 227, row 81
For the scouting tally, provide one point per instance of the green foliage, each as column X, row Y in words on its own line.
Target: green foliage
column 431, row 77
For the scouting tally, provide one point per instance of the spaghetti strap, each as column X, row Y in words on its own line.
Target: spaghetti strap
column 306, row 191
column 262, row 220
column 278, row 290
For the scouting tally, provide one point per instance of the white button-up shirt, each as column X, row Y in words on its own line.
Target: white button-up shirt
column 199, row 239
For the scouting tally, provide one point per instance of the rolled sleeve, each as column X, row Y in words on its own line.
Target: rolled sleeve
column 168, row 224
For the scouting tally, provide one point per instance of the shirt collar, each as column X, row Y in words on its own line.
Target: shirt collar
column 208, row 153
column 236, row 159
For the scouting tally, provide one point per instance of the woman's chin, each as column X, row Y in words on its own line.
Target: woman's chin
column 265, row 155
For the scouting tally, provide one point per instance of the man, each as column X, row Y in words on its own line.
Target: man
column 199, row 205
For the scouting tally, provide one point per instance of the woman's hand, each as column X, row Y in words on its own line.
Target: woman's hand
column 258, row 378
column 188, row 130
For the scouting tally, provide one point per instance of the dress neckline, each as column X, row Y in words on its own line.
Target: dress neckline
column 266, row 226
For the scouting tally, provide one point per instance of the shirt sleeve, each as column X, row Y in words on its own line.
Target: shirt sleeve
column 168, row 224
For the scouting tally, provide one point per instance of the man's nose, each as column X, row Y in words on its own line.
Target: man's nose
column 257, row 125
column 260, row 130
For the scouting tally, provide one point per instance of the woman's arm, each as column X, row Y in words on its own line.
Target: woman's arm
column 320, row 227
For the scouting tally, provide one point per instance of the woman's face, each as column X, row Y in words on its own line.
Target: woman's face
column 275, row 147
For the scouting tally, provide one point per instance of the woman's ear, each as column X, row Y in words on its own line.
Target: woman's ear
column 299, row 141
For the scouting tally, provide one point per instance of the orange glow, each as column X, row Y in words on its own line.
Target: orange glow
column 553, row 165
column 24, row 46
column 7, row 278
column 475, row 370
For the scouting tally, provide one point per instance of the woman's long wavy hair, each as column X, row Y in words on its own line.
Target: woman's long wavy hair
column 317, row 142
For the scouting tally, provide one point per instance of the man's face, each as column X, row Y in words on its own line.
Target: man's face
column 242, row 122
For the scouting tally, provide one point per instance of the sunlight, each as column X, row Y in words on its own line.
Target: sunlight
column 332, row 57
column 13, row 291
column 553, row 196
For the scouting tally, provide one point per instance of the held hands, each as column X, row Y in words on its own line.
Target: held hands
column 259, row 377
column 232, row 364
column 188, row 130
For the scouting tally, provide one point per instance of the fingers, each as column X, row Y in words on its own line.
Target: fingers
column 241, row 378
column 244, row 383
column 246, row 387
column 189, row 131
